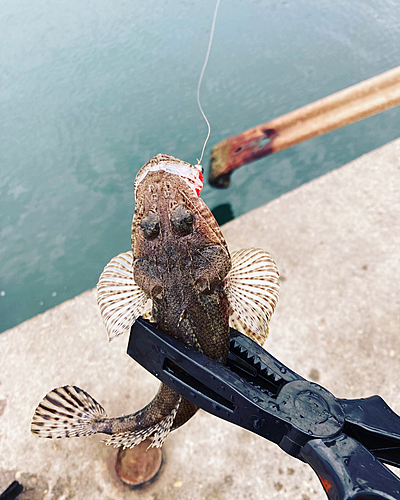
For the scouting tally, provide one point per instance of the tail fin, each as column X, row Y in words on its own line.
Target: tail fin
column 67, row 412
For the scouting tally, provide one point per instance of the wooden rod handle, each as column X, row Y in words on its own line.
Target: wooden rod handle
column 335, row 111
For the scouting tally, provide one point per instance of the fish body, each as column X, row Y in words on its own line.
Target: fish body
column 180, row 260
column 180, row 274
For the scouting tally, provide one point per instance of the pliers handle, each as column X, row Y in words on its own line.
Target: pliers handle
column 346, row 442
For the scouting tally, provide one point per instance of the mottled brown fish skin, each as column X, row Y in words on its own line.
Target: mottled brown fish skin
column 180, row 261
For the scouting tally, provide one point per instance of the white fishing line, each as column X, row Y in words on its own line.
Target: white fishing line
column 201, row 79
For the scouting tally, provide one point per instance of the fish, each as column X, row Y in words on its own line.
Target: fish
column 180, row 275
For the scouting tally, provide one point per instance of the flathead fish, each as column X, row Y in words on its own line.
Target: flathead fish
column 181, row 275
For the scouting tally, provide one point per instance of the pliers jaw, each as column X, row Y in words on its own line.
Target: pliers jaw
column 344, row 441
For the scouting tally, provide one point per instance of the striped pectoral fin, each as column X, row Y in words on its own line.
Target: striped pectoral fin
column 236, row 322
column 67, row 412
column 148, row 311
column 252, row 287
column 157, row 432
column 120, row 299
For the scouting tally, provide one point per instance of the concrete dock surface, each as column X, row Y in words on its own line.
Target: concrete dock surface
column 336, row 241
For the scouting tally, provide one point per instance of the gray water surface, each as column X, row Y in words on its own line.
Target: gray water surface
column 91, row 90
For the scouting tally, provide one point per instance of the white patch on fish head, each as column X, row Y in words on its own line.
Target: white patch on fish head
column 191, row 174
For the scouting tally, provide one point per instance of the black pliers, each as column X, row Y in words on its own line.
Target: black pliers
column 346, row 441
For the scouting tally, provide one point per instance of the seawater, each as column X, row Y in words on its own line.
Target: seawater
column 91, row 90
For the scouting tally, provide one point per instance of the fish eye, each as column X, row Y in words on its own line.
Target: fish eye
column 182, row 219
column 150, row 224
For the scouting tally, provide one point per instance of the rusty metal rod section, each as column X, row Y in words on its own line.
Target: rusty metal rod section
column 337, row 110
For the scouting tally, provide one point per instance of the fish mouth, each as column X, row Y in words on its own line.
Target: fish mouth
column 191, row 174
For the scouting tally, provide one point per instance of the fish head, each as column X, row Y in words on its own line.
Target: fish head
column 179, row 252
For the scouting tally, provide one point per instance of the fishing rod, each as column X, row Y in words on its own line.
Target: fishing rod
column 347, row 106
